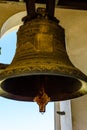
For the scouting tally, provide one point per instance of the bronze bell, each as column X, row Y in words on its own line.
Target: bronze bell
column 41, row 70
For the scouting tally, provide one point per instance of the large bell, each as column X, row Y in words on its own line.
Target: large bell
column 41, row 70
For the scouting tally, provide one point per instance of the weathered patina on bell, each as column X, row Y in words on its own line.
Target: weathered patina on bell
column 3, row 66
column 41, row 70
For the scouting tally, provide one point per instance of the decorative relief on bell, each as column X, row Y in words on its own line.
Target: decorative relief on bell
column 41, row 42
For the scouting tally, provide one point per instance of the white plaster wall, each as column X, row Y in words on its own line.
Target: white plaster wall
column 66, row 120
column 63, row 122
column 79, row 113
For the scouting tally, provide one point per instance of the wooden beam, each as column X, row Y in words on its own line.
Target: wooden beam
column 73, row 4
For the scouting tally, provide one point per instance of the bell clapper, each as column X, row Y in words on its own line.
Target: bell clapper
column 42, row 99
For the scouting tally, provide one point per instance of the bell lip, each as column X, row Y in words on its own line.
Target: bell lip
column 82, row 91
column 62, row 71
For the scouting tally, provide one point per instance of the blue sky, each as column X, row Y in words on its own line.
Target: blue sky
column 8, row 46
column 17, row 115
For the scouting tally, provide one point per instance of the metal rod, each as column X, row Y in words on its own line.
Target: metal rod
column 30, row 6
column 50, row 5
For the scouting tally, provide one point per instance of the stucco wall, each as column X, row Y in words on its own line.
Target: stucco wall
column 79, row 113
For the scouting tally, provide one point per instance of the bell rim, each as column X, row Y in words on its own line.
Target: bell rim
column 69, row 73
column 81, row 92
